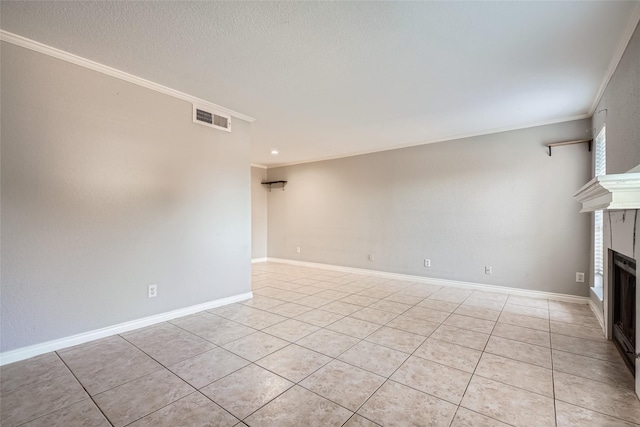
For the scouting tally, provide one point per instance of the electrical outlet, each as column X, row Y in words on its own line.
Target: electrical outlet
column 153, row 291
column 298, row 249
column 488, row 269
column 370, row 257
column 427, row 262
column 579, row 277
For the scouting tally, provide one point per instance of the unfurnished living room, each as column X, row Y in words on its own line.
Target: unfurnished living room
column 319, row 213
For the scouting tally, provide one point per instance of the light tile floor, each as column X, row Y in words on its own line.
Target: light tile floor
column 323, row 348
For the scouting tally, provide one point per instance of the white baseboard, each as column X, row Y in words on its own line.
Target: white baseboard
column 254, row 260
column 599, row 315
column 440, row 282
column 38, row 349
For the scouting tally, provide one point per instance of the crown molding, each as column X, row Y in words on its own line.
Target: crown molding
column 610, row 192
column 35, row 46
column 435, row 140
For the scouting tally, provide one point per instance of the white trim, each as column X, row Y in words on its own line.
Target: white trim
column 38, row 349
column 95, row 66
column 617, row 56
column 441, row 282
column 254, row 260
column 255, row 165
column 436, row 140
column 610, row 192
column 598, row 314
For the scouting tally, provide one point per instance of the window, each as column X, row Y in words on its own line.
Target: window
column 598, row 244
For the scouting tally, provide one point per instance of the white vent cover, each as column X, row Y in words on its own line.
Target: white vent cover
column 214, row 119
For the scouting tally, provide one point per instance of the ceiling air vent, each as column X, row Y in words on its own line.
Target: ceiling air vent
column 214, row 119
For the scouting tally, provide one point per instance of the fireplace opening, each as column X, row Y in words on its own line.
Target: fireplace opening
column 622, row 276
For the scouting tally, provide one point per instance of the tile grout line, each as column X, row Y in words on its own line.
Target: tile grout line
column 336, row 358
column 599, row 412
column 614, row 385
column 394, row 371
column 196, row 391
column 476, row 368
column 2, row 395
column 460, row 304
column 163, row 367
column 85, row 390
column 250, row 363
column 553, row 377
column 412, row 354
column 207, row 340
column 336, row 286
column 307, row 376
column 261, row 406
column 311, row 373
column 590, row 379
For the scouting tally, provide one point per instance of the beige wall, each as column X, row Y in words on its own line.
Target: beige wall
column 107, row 188
column 258, row 213
column 495, row 200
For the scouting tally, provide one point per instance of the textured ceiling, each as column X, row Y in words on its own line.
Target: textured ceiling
column 327, row 79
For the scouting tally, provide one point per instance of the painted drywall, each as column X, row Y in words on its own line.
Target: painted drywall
column 496, row 200
column 258, row 213
column 619, row 110
column 107, row 188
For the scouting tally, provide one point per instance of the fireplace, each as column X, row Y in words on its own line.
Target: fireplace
column 622, row 278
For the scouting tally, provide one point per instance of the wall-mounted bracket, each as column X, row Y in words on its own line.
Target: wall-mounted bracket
column 558, row 144
column 278, row 184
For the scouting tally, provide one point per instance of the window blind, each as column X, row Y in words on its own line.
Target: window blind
column 600, row 169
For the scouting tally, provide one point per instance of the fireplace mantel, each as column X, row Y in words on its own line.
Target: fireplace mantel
column 610, row 192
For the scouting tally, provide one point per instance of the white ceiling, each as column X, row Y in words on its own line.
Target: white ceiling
column 328, row 79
